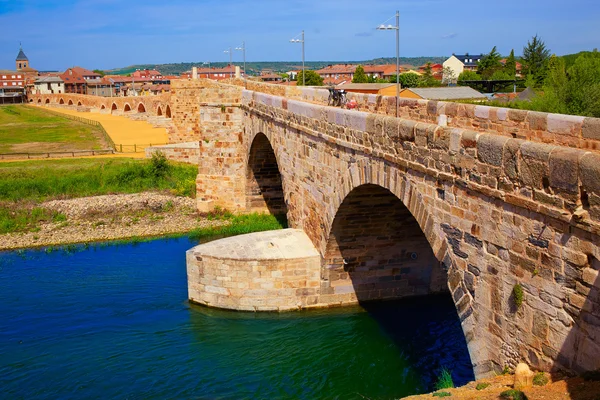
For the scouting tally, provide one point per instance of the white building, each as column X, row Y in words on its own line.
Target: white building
column 49, row 85
column 460, row 63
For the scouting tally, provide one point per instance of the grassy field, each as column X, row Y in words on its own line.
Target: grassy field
column 24, row 185
column 32, row 130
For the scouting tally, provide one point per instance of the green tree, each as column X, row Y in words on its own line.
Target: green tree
column 448, row 76
column 510, row 66
column 535, row 59
column 489, row 64
column 427, row 73
column 312, row 78
column 469, row 76
column 100, row 72
column 360, row 76
column 407, row 79
column 501, row 75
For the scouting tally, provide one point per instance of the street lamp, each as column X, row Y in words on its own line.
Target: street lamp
column 243, row 49
column 295, row 40
column 388, row 27
column 230, row 61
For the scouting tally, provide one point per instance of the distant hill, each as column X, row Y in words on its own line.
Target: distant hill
column 254, row 68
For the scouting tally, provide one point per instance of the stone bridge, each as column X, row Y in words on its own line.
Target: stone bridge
column 459, row 197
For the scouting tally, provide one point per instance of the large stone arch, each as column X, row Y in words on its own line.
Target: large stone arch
column 159, row 111
column 264, row 181
column 168, row 111
column 70, row 102
column 39, row 101
column 48, row 101
column 61, row 101
column 114, row 107
column 79, row 104
column 141, row 108
column 126, row 107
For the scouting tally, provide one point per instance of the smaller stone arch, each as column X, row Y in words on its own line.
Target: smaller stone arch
column 102, row 107
column 141, row 108
column 31, row 100
column 70, row 102
column 39, row 101
column 48, row 101
column 79, row 103
column 159, row 111
column 126, row 108
column 168, row 112
column 113, row 107
column 61, row 101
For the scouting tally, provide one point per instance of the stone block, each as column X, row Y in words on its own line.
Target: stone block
column 534, row 163
column 469, row 139
column 374, row 124
column 564, row 169
column 591, row 128
column 407, row 129
column 565, row 124
column 490, row 149
column 589, row 172
column 538, row 121
column 482, row 112
column 391, row 127
column 517, row 115
column 510, row 157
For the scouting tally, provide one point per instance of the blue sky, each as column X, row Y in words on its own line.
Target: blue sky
column 57, row 34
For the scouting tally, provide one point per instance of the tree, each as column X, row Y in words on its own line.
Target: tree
column 312, row 78
column 407, row 79
column 360, row 76
column 535, row 59
column 510, row 66
column 448, row 76
column 100, row 72
column 285, row 77
column 468, row 76
column 489, row 64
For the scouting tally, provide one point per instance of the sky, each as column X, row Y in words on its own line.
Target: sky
column 105, row 34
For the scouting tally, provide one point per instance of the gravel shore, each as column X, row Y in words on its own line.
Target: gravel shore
column 110, row 217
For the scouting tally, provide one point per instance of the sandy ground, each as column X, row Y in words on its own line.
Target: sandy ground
column 123, row 130
column 110, row 217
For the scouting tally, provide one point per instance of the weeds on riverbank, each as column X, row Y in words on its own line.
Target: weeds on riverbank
column 25, row 219
column 240, row 224
column 444, row 380
column 43, row 180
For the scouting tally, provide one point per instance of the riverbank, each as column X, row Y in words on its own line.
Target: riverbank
column 112, row 217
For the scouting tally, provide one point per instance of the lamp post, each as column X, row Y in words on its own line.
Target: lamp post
column 301, row 41
column 384, row 27
column 243, row 50
column 230, row 61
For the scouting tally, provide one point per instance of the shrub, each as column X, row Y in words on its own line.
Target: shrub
column 518, row 295
column 444, row 380
column 540, row 379
column 442, row 394
column 159, row 165
column 513, row 394
column 482, row 385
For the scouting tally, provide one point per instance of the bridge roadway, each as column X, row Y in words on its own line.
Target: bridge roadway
column 468, row 199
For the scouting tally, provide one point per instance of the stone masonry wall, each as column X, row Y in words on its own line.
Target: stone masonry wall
column 497, row 211
column 564, row 130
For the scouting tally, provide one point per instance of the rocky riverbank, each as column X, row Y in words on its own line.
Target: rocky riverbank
column 110, row 217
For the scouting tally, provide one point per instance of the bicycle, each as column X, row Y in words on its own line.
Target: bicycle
column 337, row 98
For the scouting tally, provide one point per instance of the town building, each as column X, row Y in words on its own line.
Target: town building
column 459, row 63
column 147, row 73
column 48, row 85
column 384, row 89
column 75, row 79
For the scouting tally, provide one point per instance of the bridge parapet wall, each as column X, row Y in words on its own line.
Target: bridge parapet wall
column 564, row 130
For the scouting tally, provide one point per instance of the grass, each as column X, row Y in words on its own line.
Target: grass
column 513, row 394
column 540, row 379
column 26, row 129
column 518, row 295
column 482, row 385
column 71, row 178
column 23, row 185
column 444, row 380
column 442, row 394
column 240, row 224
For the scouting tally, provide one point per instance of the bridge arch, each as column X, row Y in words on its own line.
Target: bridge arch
column 113, row 107
column 141, row 108
column 39, row 101
column 61, row 101
column 70, row 102
column 159, row 111
column 168, row 111
column 79, row 103
column 102, row 107
column 127, row 107
column 264, row 182
column 48, row 101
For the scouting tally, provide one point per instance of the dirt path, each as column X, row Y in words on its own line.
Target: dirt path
column 123, row 130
